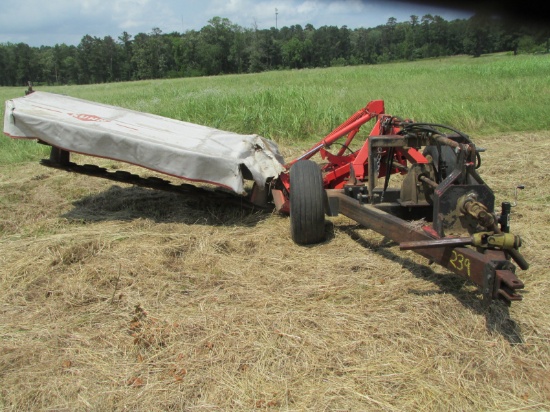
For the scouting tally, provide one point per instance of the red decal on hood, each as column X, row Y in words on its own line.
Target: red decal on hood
column 88, row 117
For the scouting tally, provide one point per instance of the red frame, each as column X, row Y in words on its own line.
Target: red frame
column 340, row 166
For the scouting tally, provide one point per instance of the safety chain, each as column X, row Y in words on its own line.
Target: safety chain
column 378, row 160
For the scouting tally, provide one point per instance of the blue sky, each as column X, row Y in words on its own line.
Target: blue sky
column 66, row 21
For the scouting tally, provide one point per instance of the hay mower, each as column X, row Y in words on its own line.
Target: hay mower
column 417, row 184
column 439, row 187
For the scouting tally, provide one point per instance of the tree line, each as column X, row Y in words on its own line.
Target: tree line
column 222, row 47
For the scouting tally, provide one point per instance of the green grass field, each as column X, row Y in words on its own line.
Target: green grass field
column 484, row 96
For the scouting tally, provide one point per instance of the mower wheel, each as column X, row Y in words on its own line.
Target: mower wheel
column 307, row 203
column 448, row 157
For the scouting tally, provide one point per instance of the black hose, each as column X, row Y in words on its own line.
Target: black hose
column 478, row 157
column 431, row 128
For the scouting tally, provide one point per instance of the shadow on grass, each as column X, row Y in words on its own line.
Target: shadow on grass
column 497, row 314
column 129, row 203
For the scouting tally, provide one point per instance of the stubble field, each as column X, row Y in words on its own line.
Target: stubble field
column 115, row 297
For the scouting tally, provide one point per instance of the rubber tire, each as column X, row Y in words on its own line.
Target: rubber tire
column 307, row 203
column 447, row 153
column 449, row 156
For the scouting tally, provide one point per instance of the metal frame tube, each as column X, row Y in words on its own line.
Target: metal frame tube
column 480, row 268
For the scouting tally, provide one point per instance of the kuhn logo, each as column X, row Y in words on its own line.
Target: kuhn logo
column 88, row 117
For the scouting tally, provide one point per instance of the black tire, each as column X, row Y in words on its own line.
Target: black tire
column 449, row 157
column 307, row 203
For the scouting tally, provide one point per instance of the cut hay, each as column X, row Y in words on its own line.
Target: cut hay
column 121, row 298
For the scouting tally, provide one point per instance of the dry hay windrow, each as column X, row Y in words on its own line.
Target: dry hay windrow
column 121, row 298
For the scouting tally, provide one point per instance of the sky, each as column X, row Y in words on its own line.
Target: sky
column 46, row 23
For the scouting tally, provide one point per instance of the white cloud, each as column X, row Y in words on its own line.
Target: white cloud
column 308, row 7
column 66, row 21
column 346, row 7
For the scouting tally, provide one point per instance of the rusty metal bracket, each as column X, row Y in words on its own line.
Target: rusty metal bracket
column 490, row 270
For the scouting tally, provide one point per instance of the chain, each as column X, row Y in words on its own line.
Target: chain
column 378, row 159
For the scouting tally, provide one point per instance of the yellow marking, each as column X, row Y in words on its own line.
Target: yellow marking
column 460, row 262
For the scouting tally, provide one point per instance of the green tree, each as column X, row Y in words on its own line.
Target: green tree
column 439, row 32
column 366, row 45
column 456, row 31
column 151, row 54
column 216, row 40
column 7, row 65
column 477, row 35
column 49, row 65
column 426, row 36
column 224, row 47
column 26, row 64
column 187, row 55
column 111, row 59
column 126, row 66
column 238, row 51
column 90, row 61
column 292, row 53
column 256, row 50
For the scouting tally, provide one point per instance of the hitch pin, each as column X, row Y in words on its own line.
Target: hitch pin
column 515, row 202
